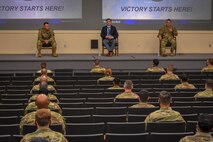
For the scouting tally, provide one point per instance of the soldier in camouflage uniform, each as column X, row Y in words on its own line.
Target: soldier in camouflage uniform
column 43, row 121
column 108, row 75
column 44, row 73
column 209, row 67
column 116, row 84
column 42, row 102
column 128, row 94
column 43, row 80
column 46, row 38
column 167, row 34
column 184, row 83
column 97, row 68
column 144, row 97
column 204, row 128
column 169, row 75
column 165, row 114
column 155, row 67
column 44, row 66
column 208, row 90
column 52, row 106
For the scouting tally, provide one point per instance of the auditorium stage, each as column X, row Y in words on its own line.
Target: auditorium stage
column 84, row 61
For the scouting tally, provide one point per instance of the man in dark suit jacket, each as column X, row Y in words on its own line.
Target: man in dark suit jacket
column 109, row 35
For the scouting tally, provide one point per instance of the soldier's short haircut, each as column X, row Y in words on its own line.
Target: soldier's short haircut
column 205, row 123
column 168, row 20
column 43, row 117
column 170, row 67
column 43, row 78
column 184, row 77
column 209, row 83
column 128, row 84
column 108, row 19
column 45, row 23
column 117, row 81
column 210, row 60
column 96, row 62
column 165, row 97
column 43, row 84
column 108, row 71
column 144, row 95
column 38, row 139
column 156, row 62
column 44, row 71
column 43, row 65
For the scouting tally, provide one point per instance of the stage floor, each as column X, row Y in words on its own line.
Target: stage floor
column 84, row 61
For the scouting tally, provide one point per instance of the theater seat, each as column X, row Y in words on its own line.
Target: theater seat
column 142, row 137
column 85, row 138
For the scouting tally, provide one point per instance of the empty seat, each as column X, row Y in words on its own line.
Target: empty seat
column 143, row 137
column 183, row 109
column 72, row 100
column 78, row 119
column 11, row 112
column 10, row 129
column 166, row 127
column 11, row 106
column 72, row 105
column 191, row 126
column 84, row 128
column 5, row 138
column 109, row 118
column 190, row 117
column 9, row 120
column 125, row 128
column 136, row 118
column 77, row 111
column 167, row 137
column 141, row 111
column 99, row 104
column 126, row 100
column 110, row 110
column 85, row 138
column 203, row 109
column 100, row 99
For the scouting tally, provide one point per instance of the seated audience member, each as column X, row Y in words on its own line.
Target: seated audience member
column 165, row 113
column 44, row 73
column 97, row 68
column 107, row 75
column 128, row 94
column 44, row 66
column 208, row 90
column 144, row 98
column 116, row 84
column 155, row 67
column 184, row 83
column 204, row 127
column 42, row 102
column 169, row 74
column 43, row 122
column 209, row 66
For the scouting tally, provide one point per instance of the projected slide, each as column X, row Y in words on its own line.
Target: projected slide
column 156, row 9
column 41, row 9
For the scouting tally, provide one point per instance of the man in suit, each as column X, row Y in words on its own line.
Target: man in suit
column 109, row 35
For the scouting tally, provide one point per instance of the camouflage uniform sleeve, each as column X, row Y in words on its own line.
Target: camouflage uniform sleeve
column 175, row 32
column 21, row 125
column 40, row 35
column 52, row 35
column 161, row 31
column 183, row 139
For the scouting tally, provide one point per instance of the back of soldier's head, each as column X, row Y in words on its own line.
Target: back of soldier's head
column 209, row 83
column 42, row 101
column 38, row 139
column 184, row 78
column 43, row 65
column 117, row 81
column 210, row 61
column 155, row 62
column 144, row 95
column 43, row 117
column 43, row 84
column 170, row 67
column 108, row 71
column 164, row 98
column 97, row 62
column 205, row 123
column 43, row 78
column 128, row 85
column 43, row 71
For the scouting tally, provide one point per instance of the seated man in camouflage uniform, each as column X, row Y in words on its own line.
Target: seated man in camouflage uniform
column 97, row 68
column 43, row 79
column 169, row 74
column 46, row 38
column 144, row 97
column 44, row 73
column 43, row 121
column 128, row 94
column 44, row 66
column 116, row 84
column 167, row 34
column 44, row 90
column 155, row 67
column 165, row 114
column 204, row 127
column 208, row 90
column 184, row 83
column 209, row 67
column 42, row 102
column 108, row 75
column 33, row 106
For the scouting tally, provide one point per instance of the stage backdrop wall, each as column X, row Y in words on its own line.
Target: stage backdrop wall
column 78, row 42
